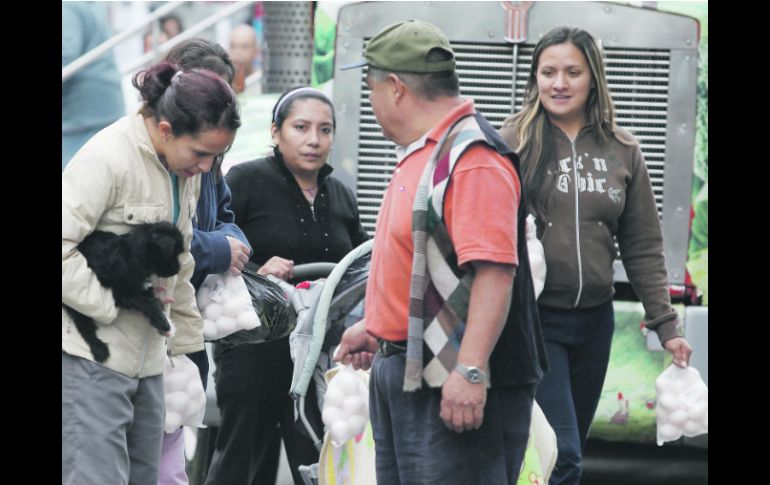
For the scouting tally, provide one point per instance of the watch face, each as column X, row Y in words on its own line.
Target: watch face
column 474, row 375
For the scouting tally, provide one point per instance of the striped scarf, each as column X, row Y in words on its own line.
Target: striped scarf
column 439, row 290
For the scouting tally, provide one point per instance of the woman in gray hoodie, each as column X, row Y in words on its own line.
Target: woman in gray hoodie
column 587, row 181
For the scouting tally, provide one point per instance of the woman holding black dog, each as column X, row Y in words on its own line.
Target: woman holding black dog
column 293, row 212
column 143, row 168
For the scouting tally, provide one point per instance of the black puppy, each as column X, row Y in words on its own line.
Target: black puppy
column 125, row 264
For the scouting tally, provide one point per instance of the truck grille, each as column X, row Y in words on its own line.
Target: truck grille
column 638, row 81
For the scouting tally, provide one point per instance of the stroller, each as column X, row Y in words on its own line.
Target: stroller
column 325, row 308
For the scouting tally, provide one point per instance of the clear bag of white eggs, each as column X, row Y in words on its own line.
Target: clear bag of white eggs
column 185, row 398
column 536, row 256
column 225, row 305
column 346, row 403
column 682, row 404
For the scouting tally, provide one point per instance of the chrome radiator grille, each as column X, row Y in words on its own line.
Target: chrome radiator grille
column 638, row 80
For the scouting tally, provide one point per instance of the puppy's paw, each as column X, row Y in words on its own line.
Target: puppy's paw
column 100, row 351
column 172, row 330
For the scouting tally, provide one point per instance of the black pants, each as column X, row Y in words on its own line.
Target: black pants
column 252, row 384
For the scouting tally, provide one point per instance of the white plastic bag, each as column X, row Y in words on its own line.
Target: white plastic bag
column 225, row 305
column 682, row 404
column 536, row 256
column 185, row 399
column 346, row 404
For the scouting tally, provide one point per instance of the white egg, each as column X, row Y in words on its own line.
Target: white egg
column 341, row 431
column 662, row 415
column 668, row 401
column 678, row 417
column 692, row 428
column 699, row 410
column 669, row 432
column 330, row 415
column 191, row 411
column 192, row 370
column 357, row 423
column 194, row 388
column 677, row 387
column 352, row 404
column 706, row 422
column 347, row 382
column 233, row 307
column 226, row 325
column 662, row 384
column 176, row 402
column 209, row 330
column 203, row 297
column 247, row 319
column 334, row 397
column 213, row 311
column 174, row 381
column 173, row 421
column 691, row 376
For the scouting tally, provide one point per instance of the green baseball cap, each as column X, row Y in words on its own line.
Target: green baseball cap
column 404, row 47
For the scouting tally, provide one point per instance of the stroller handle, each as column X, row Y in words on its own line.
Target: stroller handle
column 312, row 270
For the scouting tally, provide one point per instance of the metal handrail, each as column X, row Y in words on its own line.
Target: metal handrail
column 184, row 35
column 70, row 69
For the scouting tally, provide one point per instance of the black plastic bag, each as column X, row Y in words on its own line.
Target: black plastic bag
column 276, row 313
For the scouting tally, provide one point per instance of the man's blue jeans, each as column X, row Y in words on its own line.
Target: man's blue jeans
column 578, row 345
column 413, row 446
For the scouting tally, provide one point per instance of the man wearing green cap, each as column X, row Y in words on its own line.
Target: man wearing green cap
column 450, row 308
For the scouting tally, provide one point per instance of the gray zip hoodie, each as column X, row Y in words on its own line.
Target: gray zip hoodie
column 596, row 192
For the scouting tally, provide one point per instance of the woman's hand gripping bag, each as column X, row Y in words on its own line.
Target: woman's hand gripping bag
column 225, row 305
column 536, row 256
column 185, row 399
column 346, row 404
column 682, row 404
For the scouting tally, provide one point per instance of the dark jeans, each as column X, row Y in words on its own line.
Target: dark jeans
column 252, row 384
column 578, row 345
column 413, row 446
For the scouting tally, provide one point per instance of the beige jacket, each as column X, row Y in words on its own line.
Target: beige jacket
column 113, row 183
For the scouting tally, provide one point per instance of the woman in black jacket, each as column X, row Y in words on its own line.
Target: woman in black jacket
column 292, row 212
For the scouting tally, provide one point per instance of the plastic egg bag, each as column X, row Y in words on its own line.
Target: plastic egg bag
column 225, row 305
column 346, row 404
column 682, row 404
column 185, row 398
column 536, row 256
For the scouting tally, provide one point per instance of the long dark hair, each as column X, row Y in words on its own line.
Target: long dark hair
column 533, row 129
column 191, row 101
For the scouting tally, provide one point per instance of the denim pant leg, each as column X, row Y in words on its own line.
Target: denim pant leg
column 414, row 446
column 589, row 369
column 554, row 395
column 578, row 344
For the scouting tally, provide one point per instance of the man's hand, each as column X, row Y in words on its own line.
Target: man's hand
column 680, row 349
column 462, row 403
column 239, row 255
column 357, row 347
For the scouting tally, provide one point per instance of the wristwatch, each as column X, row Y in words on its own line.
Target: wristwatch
column 473, row 374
